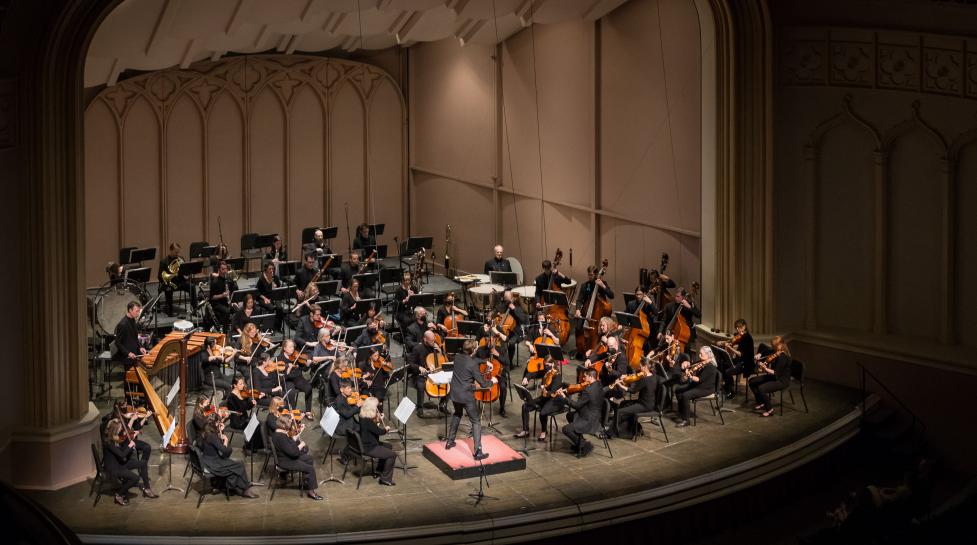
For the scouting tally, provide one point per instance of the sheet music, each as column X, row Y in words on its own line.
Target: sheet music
column 329, row 421
column 441, row 377
column 173, row 391
column 252, row 426
column 404, row 410
column 169, row 431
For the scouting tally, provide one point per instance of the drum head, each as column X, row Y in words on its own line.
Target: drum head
column 525, row 291
column 111, row 303
column 183, row 326
column 482, row 278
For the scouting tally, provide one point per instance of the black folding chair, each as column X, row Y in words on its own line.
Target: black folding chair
column 197, row 467
column 714, row 399
column 101, row 480
column 355, row 449
column 279, row 470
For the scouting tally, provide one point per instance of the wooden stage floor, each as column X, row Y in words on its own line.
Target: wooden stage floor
column 553, row 479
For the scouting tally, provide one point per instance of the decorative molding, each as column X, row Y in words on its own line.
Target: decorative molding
column 879, row 59
column 8, row 114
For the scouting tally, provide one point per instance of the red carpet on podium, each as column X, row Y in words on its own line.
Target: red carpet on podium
column 459, row 463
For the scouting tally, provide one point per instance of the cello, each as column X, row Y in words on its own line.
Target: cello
column 558, row 314
column 680, row 328
column 489, row 369
column 597, row 308
column 434, row 361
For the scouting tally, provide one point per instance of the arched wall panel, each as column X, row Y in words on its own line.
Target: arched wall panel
column 966, row 257
column 245, row 139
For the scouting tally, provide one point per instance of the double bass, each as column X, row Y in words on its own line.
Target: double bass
column 597, row 308
column 636, row 337
column 680, row 328
column 558, row 314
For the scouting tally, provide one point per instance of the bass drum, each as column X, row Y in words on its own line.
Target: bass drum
column 111, row 302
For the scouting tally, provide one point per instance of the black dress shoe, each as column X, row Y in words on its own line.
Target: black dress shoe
column 585, row 449
column 479, row 455
column 148, row 493
column 387, row 483
column 449, row 444
column 502, row 413
column 121, row 500
column 730, row 395
column 314, row 496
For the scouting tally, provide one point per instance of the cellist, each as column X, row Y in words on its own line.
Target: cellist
column 688, row 311
column 450, row 310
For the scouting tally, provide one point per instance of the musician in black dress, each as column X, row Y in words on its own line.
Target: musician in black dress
column 699, row 385
column 176, row 283
column 217, row 458
column 742, row 352
column 121, row 463
column 135, row 421
column 127, row 337
column 212, row 367
column 294, row 377
column 772, row 376
column 244, row 314
column 293, row 455
column 371, row 429
column 466, row 375
column 268, row 381
column 267, row 282
column 585, row 415
column 402, row 310
column 645, row 389
column 498, row 263
column 277, row 252
column 347, row 405
column 689, row 312
column 546, row 402
column 240, row 405
column 547, row 279
column 220, row 296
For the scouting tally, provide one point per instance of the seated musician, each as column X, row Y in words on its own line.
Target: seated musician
column 352, row 267
column 341, row 371
column 416, row 362
column 307, row 333
column 121, row 463
column 220, row 296
column 304, row 276
column 135, row 421
column 698, row 385
column 643, row 301
column 212, row 367
column 542, row 327
column 249, row 350
column 402, row 309
column 376, row 373
column 319, row 245
column 547, row 279
column 416, row 330
column 267, row 282
column 127, row 347
column 689, row 312
column 199, row 419
column 276, row 253
column 324, row 352
column 217, row 458
column 773, row 374
column 498, row 262
column 607, row 328
column 240, row 404
column 244, row 314
column 585, row 414
column 176, row 283
column 348, row 405
column 615, row 366
column 293, row 454
column 646, row 389
column 492, row 345
column 221, row 253
column 294, row 378
column 372, row 428
column 364, row 241
column 447, row 308
column 370, row 335
column 349, row 316
column 587, row 289
column 267, row 380
column 740, row 349
column 546, row 402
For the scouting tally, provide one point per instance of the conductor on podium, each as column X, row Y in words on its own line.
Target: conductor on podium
column 466, row 374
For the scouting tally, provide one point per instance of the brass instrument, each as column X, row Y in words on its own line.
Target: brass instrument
column 171, row 272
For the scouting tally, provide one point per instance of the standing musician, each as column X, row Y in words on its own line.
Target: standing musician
column 371, row 428
column 293, row 454
column 699, row 385
column 364, row 241
column 267, row 282
column 498, row 263
column 127, row 346
column 402, row 310
column 585, row 414
column 277, row 253
column 304, row 276
column 466, row 374
column 648, row 309
column 217, row 458
column 547, row 279
column 689, row 311
column 417, row 367
column 773, row 374
column 740, row 350
column 170, row 264
column 212, row 368
column 243, row 316
column 119, row 461
column 546, row 402
column 587, row 289
column 294, row 378
column 239, row 405
column 220, row 296
column 644, row 385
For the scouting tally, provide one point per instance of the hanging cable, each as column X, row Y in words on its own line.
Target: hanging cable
column 505, row 130
column 668, row 129
column 539, row 144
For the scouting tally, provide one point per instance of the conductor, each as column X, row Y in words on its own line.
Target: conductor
column 466, row 373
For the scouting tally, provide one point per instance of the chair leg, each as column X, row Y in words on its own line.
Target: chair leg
column 804, row 399
column 781, row 403
column 359, row 478
column 791, row 392
column 720, row 411
column 189, row 483
column 200, row 499
column 661, row 422
column 272, row 485
column 695, row 412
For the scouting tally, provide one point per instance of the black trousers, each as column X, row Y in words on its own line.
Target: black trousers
column 576, row 439
column 130, row 477
column 763, row 386
column 143, row 449
column 386, row 459
column 547, row 406
column 182, row 284
column 304, row 464
column 213, row 376
column 223, row 313
column 687, row 392
column 300, row 384
column 625, row 420
column 474, row 416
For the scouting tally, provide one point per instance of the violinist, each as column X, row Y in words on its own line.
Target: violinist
column 217, row 458
column 547, row 279
column 376, row 372
column 134, row 420
column 294, row 378
column 585, row 414
column 119, row 459
column 416, row 330
column 220, row 296
column 740, row 349
column 498, row 262
column 372, row 428
column 309, row 326
column 594, row 282
column 402, row 310
column 267, row 282
column 417, row 367
column 240, row 404
column 615, row 365
column 178, row 282
column 293, row 454
column 689, row 312
column 370, row 335
column 448, row 310
column 325, row 350
column 699, row 385
column 199, row 419
column 466, row 375
column 275, row 407
column 341, row 371
column 644, row 385
column 547, row 402
column 267, row 380
column 212, row 367
column 304, row 276
column 248, row 350
column 773, row 374
column 364, row 241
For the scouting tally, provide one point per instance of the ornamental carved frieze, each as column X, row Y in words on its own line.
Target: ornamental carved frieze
column 943, row 71
column 898, row 67
column 804, row 63
column 852, row 63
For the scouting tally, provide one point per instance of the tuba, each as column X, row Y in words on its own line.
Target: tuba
column 171, row 272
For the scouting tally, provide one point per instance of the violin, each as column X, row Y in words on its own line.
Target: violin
column 245, row 394
column 351, row 373
column 319, row 322
column 297, row 358
column 548, row 380
column 380, row 363
column 574, row 388
column 294, row 413
column 627, row 380
column 729, row 346
column 378, row 338
column 223, row 412
column 258, row 339
column 356, row 398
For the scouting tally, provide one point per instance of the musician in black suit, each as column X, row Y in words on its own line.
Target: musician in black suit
column 547, row 278
column 177, row 283
column 364, row 241
column 127, row 337
column 220, row 296
column 699, row 385
column 307, row 332
column 646, row 389
column 293, row 455
column 689, row 312
column 305, row 275
column 585, row 415
column 119, row 461
column 466, row 374
column 415, row 331
column 772, row 377
column 743, row 363
column 417, row 367
column 498, row 263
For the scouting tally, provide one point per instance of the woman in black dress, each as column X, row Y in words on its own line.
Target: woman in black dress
column 120, row 462
column 217, row 458
column 240, row 405
column 371, row 428
column 293, row 454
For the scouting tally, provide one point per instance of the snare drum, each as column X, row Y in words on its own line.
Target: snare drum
column 183, row 326
column 483, row 296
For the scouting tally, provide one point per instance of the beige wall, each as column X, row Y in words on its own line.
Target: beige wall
column 286, row 147
column 608, row 165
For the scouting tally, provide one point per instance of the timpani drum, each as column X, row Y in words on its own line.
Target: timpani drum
column 111, row 302
column 529, row 294
column 483, row 295
column 482, row 278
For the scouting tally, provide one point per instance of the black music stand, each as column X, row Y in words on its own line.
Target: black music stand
column 543, row 350
column 367, row 280
column 328, row 233
column 553, row 297
column 328, row 288
column 627, row 319
column 288, row 268
column 283, row 293
column 308, row 234
column 238, row 296
column 420, row 300
column 350, row 334
column 628, row 297
column 365, row 304
column 380, row 248
column 376, row 229
column 125, row 254
column 142, row 254
column 337, row 260
column 235, row 263
column 265, row 322
column 507, row 279
column 416, row 244
column 330, row 307
column 453, row 345
column 139, row 276
column 201, row 250
column 527, row 398
column 470, row 328
column 363, row 352
column 265, row 241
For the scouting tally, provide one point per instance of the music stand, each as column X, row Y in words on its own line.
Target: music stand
column 627, row 319
column 283, row 293
column 328, row 233
column 628, row 297
column 143, row 254
column 420, row 300
column 507, row 279
column 288, row 268
column 125, row 255
column 367, row 280
column 328, row 287
column 139, row 276
column 337, row 260
column 416, row 244
column 365, row 304
column 330, row 307
column 380, row 248
column 350, row 334
column 543, row 350
column 527, row 398
column 328, row 423
column 363, row 353
column 470, row 328
column 265, row 322
column 265, row 241
column 376, row 229
column 235, row 263
column 402, row 414
column 453, row 345
column 238, row 296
